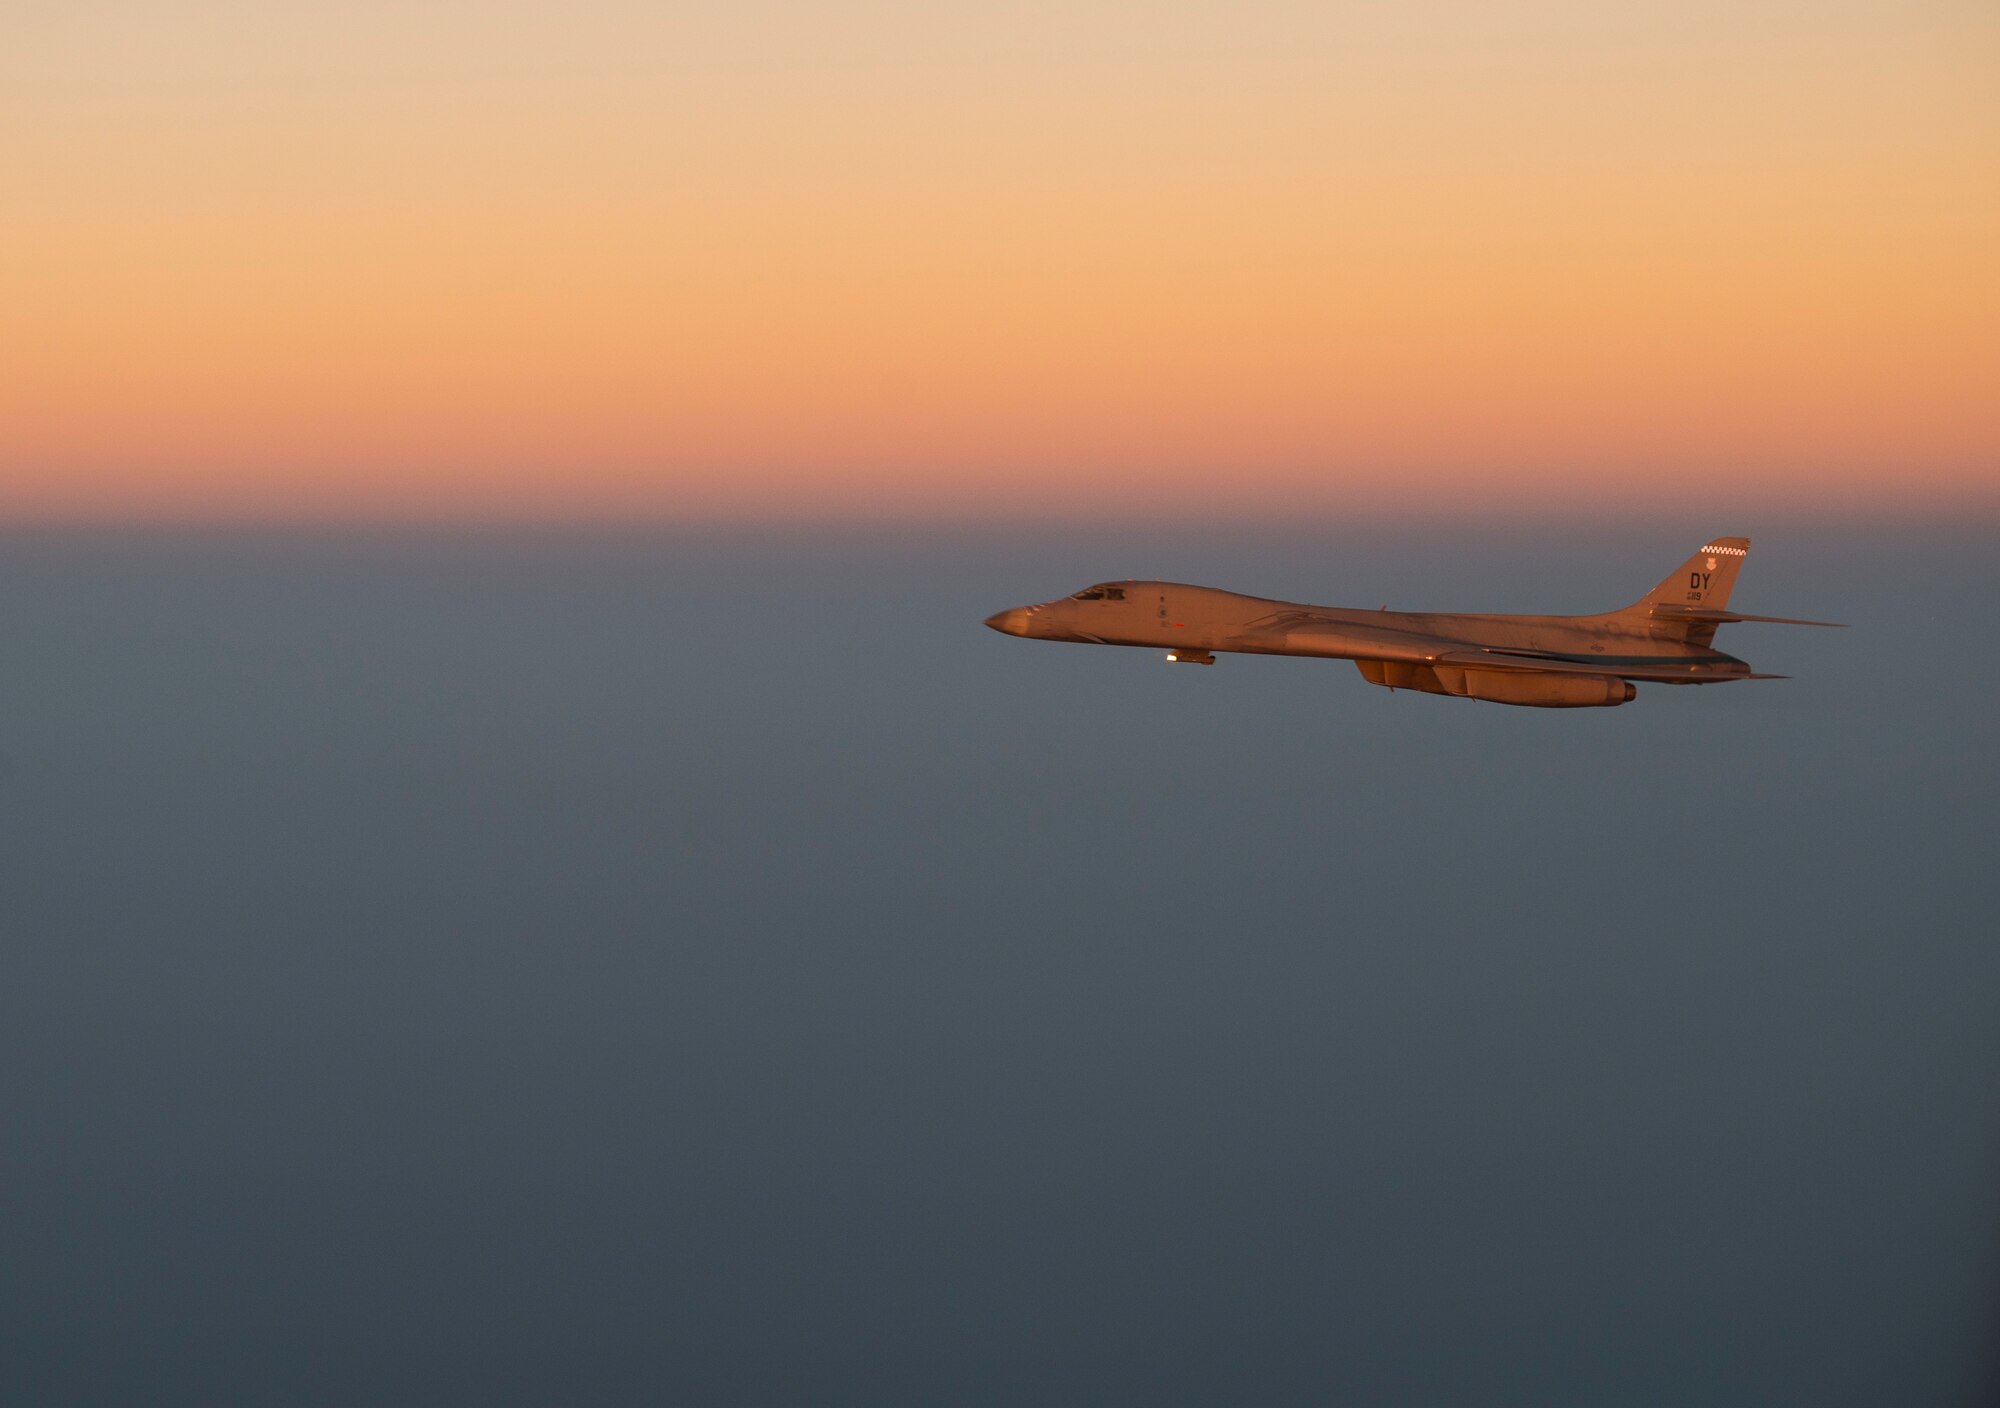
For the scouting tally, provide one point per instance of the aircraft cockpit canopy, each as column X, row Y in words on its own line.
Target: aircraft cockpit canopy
column 1100, row 594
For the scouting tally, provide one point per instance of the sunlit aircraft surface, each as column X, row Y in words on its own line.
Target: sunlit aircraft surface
column 1548, row 662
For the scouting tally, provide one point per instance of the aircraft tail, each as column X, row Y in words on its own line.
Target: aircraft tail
column 1686, row 602
column 1703, row 582
column 1694, row 598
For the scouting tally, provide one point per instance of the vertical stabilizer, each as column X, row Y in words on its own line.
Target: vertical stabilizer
column 1703, row 581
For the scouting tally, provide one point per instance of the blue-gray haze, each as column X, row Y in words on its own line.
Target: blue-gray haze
column 612, row 967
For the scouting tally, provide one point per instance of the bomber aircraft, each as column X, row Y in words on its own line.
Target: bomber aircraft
column 1549, row 662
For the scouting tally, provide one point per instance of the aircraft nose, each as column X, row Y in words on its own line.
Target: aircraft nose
column 1013, row 621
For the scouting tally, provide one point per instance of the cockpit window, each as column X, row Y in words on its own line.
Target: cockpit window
column 1100, row 594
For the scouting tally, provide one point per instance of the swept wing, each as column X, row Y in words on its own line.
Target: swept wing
column 1301, row 633
column 1723, row 618
column 1663, row 671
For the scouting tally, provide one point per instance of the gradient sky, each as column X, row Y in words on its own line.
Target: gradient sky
column 800, row 259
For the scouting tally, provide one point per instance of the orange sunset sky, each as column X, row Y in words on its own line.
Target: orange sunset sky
column 502, row 260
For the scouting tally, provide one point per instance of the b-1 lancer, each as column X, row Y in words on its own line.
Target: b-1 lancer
column 1547, row 662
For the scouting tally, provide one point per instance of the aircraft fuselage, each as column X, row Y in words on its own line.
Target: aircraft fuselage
column 1177, row 616
column 1666, row 637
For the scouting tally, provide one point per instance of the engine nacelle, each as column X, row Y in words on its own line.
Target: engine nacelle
column 1399, row 674
column 1535, row 689
column 1548, row 690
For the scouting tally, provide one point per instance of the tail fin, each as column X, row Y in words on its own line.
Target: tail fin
column 1703, row 581
column 1694, row 598
column 1684, row 606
